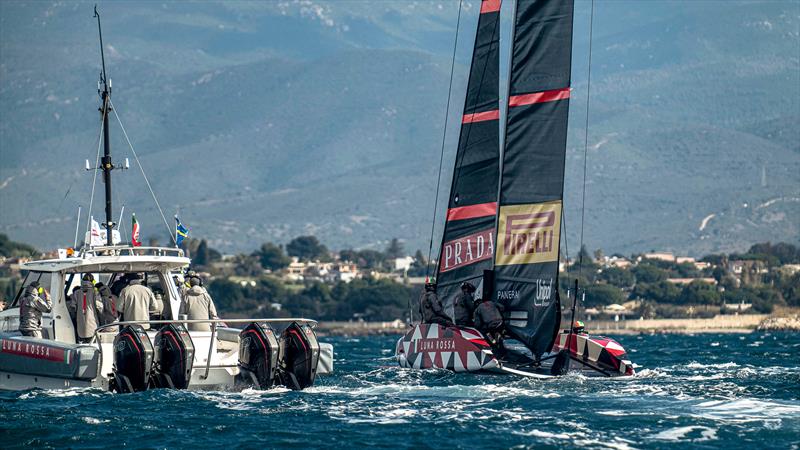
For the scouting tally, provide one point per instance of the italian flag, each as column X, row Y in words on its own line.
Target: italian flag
column 135, row 232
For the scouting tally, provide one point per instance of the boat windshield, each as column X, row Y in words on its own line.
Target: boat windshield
column 42, row 277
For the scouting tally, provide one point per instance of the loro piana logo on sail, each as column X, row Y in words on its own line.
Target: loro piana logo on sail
column 528, row 234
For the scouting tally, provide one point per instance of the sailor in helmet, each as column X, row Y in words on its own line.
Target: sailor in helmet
column 35, row 301
column 579, row 327
column 489, row 320
column 430, row 308
column 464, row 305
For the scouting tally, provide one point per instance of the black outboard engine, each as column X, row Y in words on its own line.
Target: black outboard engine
column 174, row 355
column 299, row 356
column 258, row 356
column 133, row 359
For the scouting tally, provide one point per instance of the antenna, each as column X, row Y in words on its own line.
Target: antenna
column 102, row 54
column 78, row 224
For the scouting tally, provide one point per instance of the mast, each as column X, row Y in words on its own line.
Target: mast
column 532, row 175
column 106, row 163
column 467, row 242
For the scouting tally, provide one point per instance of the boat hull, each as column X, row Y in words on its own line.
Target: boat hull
column 599, row 354
column 433, row 346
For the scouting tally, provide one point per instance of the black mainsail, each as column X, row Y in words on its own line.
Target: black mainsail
column 532, row 174
column 468, row 239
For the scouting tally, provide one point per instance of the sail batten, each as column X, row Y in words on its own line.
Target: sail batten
column 532, row 178
column 468, row 240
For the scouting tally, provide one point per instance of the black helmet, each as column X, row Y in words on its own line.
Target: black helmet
column 88, row 277
column 430, row 285
column 467, row 286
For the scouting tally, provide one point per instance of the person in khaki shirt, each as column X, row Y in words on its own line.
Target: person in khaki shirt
column 197, row 304
column 137, row 302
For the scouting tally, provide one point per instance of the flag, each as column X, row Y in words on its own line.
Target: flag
column 180, row 232
column 96, row 239
column 135, row 232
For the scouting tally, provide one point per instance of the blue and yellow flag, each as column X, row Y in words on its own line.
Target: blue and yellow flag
column 181, row 232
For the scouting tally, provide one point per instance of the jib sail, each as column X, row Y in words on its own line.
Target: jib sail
column 532, row 179
column 468, row 239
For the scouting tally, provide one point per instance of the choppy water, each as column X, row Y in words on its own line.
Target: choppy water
column 707, row 391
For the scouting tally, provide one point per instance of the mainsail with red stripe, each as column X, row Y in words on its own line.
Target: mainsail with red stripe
column 468, row 239
column 532, row 179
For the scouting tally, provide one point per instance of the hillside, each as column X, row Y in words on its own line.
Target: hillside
column 261, row 123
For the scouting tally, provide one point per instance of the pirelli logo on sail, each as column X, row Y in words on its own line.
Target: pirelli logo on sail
column 528, row 234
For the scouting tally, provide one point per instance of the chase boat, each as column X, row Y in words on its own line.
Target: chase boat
column 157, row 353
column 134, row 356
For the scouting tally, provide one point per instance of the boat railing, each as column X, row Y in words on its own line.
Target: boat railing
column 214, row 324
column 128, row 250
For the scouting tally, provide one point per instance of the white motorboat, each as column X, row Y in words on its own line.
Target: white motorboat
column 165, row 351
column 58, row 361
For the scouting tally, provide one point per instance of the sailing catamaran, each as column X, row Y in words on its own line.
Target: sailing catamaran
column 503, row 224
column 134, row 355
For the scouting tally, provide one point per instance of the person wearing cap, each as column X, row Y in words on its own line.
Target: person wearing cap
column 35, row 301
column 137, row 302
column 464, row 304
column 579, row 327
column 198, row 305
column 86, row 305
column 430, row 307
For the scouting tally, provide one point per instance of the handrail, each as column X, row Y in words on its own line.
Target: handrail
column 119, row 250
column 311, row 322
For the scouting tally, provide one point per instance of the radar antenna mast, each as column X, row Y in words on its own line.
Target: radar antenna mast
column 104, row 90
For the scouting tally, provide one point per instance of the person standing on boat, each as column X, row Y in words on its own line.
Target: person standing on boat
column 87, row 307
column 197, row 304
column 34, row 302
column 137, row 302
column 464, row 305
column 489, row 320
column 430, row 307
column 110, row 313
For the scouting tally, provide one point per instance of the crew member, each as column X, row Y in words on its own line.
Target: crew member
column 464, row 305
column 119, row 284
column 86, row 304
column 198, row 305
column 136, row 302
column 579, row 327
column 110, row 313
column 35, row 301
column 430, row 308
column 489, row 320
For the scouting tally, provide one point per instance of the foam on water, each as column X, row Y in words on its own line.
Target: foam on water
column 686, row 393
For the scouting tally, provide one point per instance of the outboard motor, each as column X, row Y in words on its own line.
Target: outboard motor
column 258, row 356
column 133, row 359
column 174, row 355
column 299, row 356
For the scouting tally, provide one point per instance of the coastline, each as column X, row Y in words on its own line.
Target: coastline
column 733, row 324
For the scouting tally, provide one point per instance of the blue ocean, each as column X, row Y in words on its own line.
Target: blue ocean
column 703, row 391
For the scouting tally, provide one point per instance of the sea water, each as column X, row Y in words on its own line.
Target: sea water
column 700, row 391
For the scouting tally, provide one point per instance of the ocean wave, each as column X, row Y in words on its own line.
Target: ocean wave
column 687, row 434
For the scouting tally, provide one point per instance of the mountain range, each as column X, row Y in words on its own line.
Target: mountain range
column 262, row 121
